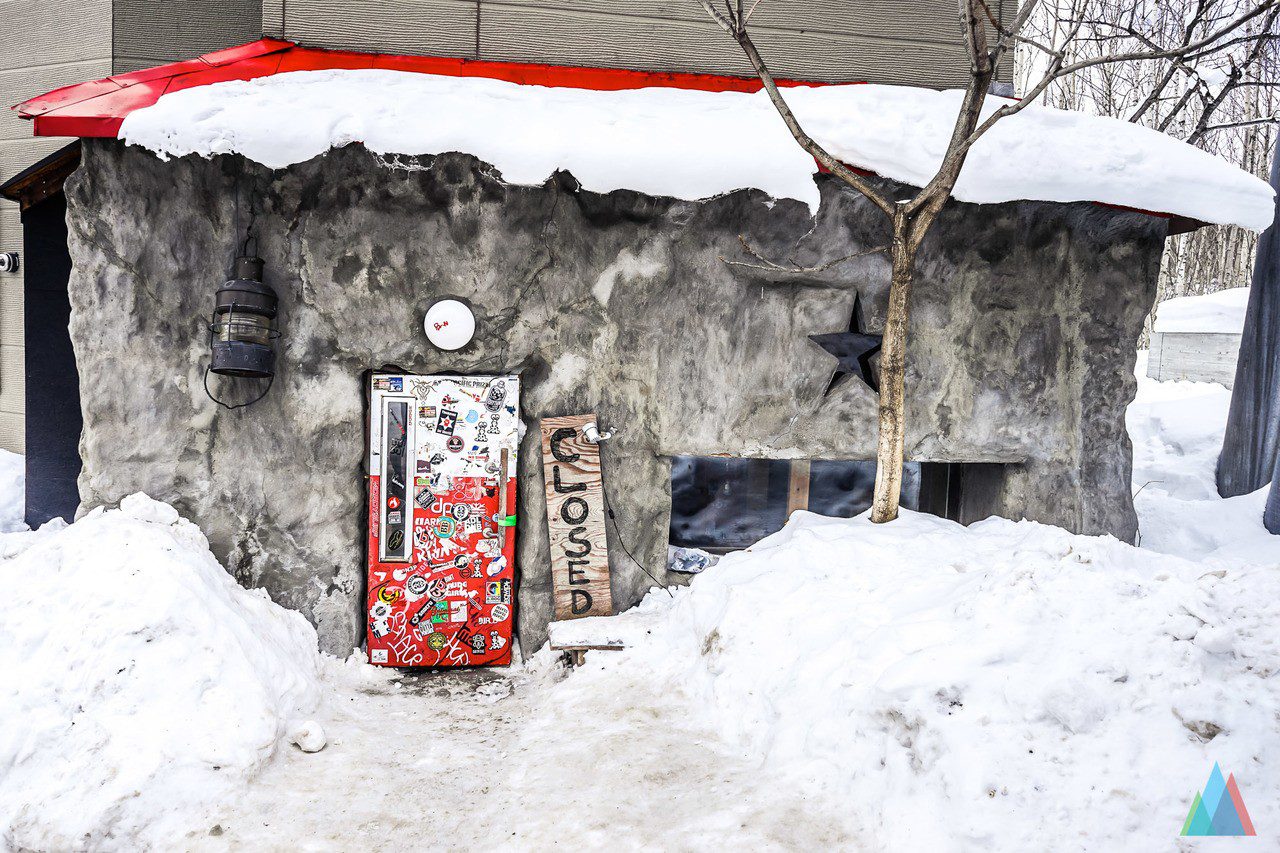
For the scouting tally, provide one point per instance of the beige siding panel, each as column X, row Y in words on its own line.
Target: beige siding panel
column 10, row 229
column 273, row 18
column 422, row 27
column 920, row 20
column 12, row 380
column 13, row 432
column 18, row 84
column 181, row 29
column 34, row 33
column 18, row 154
column 11, row 333
column 514, row 33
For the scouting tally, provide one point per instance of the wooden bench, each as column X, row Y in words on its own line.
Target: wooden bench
column 577, row 653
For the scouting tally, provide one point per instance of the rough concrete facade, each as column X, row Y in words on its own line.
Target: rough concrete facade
column 1023, row 334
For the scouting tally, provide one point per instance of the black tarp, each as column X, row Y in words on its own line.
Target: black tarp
column 1248, row 459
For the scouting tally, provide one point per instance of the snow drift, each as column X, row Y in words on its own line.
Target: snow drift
column 693, row 144
column 139, row 684
column 13, row 479
column 1005, row 686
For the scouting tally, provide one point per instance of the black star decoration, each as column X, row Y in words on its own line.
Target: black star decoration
column 853, row 350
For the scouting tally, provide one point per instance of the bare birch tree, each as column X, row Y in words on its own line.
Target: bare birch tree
column 1226, row 100
column 987, row 43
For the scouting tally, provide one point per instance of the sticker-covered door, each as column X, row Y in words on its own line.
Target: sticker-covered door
column 442, row 492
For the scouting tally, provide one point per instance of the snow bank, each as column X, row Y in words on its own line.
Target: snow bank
column 1176, row 429
column 13, row 492
column 1221, row 312
column 139, row 684
column 693, row 145
column 1007, row 686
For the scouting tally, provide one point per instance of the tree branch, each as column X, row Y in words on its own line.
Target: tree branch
column 774, row 267
column 736, row 27
column 1245, row 123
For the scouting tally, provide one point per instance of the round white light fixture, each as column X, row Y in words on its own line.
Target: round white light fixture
column 449, row 324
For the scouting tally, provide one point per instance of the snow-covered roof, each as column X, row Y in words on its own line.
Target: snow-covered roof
column 697, row 144
column 1221, row 312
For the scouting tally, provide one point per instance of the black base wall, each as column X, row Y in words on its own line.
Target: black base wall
column 53, row 384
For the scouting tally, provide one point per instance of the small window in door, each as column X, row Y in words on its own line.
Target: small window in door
column 396, row 514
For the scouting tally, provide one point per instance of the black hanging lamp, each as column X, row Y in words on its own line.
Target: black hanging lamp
column 243, row 329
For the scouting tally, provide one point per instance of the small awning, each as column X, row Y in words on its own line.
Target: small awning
column 98, row 107
column 615, row 128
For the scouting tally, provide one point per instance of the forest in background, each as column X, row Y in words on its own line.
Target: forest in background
column 1224, row 99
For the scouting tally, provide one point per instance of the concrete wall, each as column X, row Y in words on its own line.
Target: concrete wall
column 913, row 42
column 1197, row 356
column 1025, row 321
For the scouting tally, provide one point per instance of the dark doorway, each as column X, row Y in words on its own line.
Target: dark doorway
column 53, row 383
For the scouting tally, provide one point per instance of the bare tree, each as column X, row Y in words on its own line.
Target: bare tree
column 987, row 42
column 1225, row 99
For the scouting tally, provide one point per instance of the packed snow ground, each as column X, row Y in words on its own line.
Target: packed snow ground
column 693, row 145
column 840, row 685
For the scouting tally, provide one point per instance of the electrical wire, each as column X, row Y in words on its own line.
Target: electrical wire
column 617, row 534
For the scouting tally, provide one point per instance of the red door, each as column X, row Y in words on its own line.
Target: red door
column 442, row 490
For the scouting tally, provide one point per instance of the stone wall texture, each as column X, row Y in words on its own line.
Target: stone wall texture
column 1024, row 325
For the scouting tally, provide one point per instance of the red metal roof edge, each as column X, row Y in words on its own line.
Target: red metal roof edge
column 97, row 108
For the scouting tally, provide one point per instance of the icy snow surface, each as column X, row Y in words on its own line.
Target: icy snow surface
column 693, row 145
column 1221, row 312
column 139, row 684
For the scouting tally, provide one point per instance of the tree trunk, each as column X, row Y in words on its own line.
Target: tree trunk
column 893, row 354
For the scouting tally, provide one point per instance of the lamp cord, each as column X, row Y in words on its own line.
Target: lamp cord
column 608, row 508
column 230, row 407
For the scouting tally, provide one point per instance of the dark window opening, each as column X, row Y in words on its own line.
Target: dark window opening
column 725, row 503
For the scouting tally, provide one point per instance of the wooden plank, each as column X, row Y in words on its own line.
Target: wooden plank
column 415, row 27
column 798, row 488
column 575, row 519
column 577, row 37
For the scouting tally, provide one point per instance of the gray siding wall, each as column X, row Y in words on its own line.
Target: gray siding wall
column 43, row 45
column 147, row 33
column 914, row 42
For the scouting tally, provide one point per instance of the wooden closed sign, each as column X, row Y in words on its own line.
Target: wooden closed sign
column 575, row 519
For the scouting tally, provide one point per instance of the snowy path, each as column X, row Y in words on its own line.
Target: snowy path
column 452, row 759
